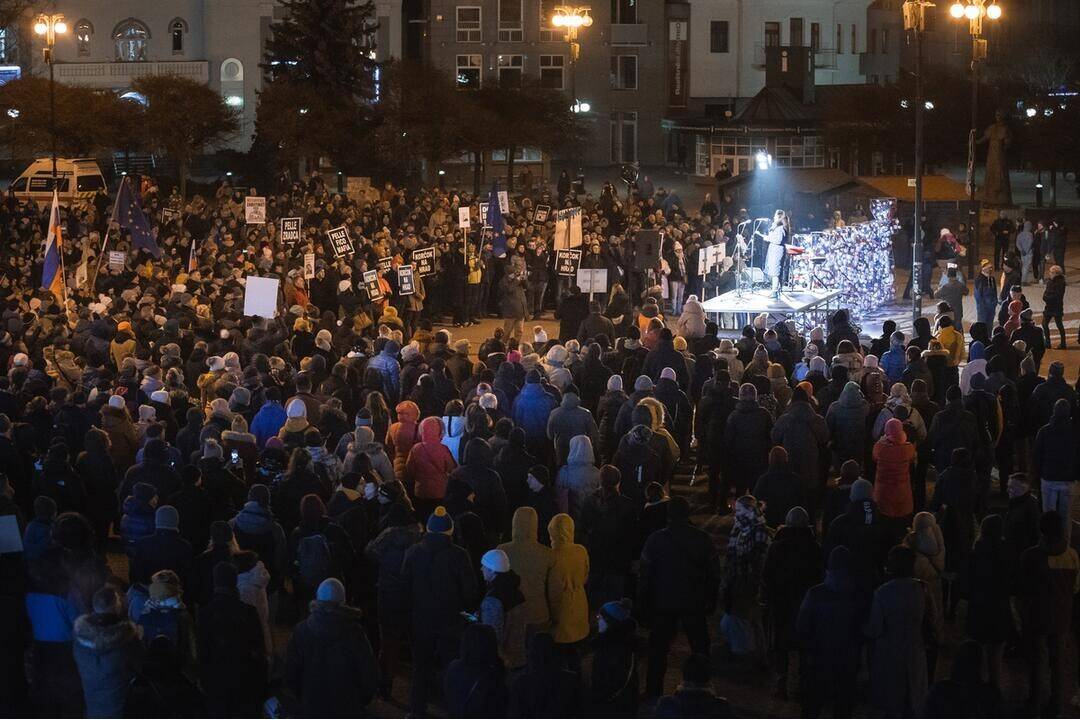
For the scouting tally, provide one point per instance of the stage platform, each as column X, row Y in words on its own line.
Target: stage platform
column 806, row 307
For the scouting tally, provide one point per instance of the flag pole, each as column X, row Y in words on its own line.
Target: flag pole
column 105, row 239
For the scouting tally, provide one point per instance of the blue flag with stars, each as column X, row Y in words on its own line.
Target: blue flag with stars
column 494, row 220
column 129, row 215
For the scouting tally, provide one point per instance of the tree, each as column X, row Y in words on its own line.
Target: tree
column 297, row 123
column 321, row 52
column 183, row 118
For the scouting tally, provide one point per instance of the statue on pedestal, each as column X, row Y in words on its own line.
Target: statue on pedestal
column 996, row 189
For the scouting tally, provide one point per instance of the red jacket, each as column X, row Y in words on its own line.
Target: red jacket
column 429, row 463
column 892, row 484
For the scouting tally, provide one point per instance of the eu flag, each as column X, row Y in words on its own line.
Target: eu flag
column 129, row 215
column 495, row 222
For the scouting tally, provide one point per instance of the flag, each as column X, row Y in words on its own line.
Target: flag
column 495, row 222
column 52, row 274
column 193, row 259
column 129, row 215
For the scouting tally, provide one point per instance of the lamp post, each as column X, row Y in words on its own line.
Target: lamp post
column 974, row 11
column 48, row 27
column 915, row 23
column 572, row 19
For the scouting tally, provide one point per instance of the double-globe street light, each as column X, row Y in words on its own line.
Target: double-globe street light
column 571, row 19
column 974, row 11
column 48, row 27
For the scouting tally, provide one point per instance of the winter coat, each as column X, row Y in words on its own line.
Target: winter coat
column 566, row 583
column 829, row 632
column 892, row 484
column 430, row 462
column 691, row 323
column 953, row 427
column 579, row 478
column 898, row 616
column 613, row 683
column 441, row 582
column 567, row 422
column 232, row 659
column 164, row 550
column 533, row 564
column 532, row 408
column 390, row 371
column 478, row 479
column 402, row 435
column 805, row 436
column 664, row 356
column 1049, row 579
column 330, row 666
column 387, row 551
column 859, row 529
column 1053, row 454
column 793, row 565
column 846, row 419
column 108, row 650
column 503, row 608
column 607, row 520
column 678, row 573
column 989, row 615
column 747, row 442
column 123, row 443
column 607, row 412
column 475, row 683
column 256, row 530
column 268, row 422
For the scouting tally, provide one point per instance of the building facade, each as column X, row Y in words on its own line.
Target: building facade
column 217, row 42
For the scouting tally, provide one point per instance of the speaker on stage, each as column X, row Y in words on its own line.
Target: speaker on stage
column 646, row 249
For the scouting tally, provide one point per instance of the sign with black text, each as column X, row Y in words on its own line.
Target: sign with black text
column 290, row 230
column 168, row 215
column 566, row 262
column 483, row 215
column 371, row 284
column 406, row 283
column 541, row 214
column 254, row 210
column 384, row 264
column 340, row 242
column 116, row 260
column 425, row 261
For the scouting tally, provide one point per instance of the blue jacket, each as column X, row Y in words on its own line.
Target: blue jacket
column 52, row 617
column 36, row 539
column 267, row 422
column 388, row 367
column 893, row 361
column 531, row 410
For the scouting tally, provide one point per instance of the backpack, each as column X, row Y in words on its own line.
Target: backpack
column 314, row 560
column 160, row 623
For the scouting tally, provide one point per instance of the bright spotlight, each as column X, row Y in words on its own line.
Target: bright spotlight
column 1031, row 112
column 763, row 160
column 993, row 12
column 957, row 10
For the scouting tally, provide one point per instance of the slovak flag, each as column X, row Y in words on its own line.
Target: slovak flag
column 52, row 274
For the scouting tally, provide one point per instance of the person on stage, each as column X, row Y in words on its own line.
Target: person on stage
column 776, row 237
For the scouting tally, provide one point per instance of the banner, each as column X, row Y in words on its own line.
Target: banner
column 260, row 296
column 168, row 215
column 405, row 282
column 483, row 215
column 541, row 213
column 309, row 265
column 592, row 280
column 464, row 222
column 371, row 284
column 567, row 228
column 425, row 261
column 290, row 230
column 678, row 63
column 116, row 260
column 356, row 187
column 384, row 264
column 566, row 262
column 340, row 242
column 254, row 210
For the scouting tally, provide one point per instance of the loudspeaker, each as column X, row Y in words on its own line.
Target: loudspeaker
column 647, row 249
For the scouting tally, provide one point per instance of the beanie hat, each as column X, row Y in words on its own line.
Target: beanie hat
column 495, row 561
column 296, row 409
column 166, row 517
column 220, row 407
column 216, row 363
column 797, row 517
column 240, row 396
column 643, row 383
column 489, row 401
column 680, row 344
column 861, row 490
column 116, row 401
column 614, row 383
column 160, row 396
column 147, row 413
column 616, row 612
column 331, row 590
column 440, row 521
column 667, row 374
column 164, row 584
column 410, row 352
column 212, row 449
column 224, row 574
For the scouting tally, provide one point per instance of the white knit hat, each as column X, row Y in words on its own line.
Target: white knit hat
column 296, row 408
column 496, row 561
column 116, row 401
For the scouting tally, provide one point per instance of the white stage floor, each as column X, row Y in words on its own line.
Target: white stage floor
column 792, row 302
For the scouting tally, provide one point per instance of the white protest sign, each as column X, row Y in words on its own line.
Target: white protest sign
column 116, row 260
column 309, row 265
column 504, row 202
column 261, row 296
column 464, row 221
column 254, row 210
column 592, row 280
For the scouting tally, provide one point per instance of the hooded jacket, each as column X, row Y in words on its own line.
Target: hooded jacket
column 533, row 563
column 892, row 484
column 430, row 462
column 567, row 422
column 579, row 478
column 846, row 420
column 485, row 486
column 566, row 583
column 330, row 666
column 531, row 410
column 805, row 436
column 403, row 434
column 108, row 650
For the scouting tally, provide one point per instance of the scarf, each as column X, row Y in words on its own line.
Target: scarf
column 747, row 536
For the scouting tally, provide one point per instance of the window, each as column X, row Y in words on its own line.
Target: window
column 547, row 31
column 468, row 24
column 815, row 36
column 84, row 33
column 510, row 21
column 177, row 30
column 796, row 39
column 772, row 34
column 88, row 183
column 885, row 41
column 510, row 68
column 551, row 71
column 468, row 71
column 718, row 36
column 623, row 126
column 872, row 43
column 800, row 151
column 854, row 39
column 131, row 37
column 232, row 83
column 624, row 72
column 839, row 39
column 624, row 11
column 521, row 154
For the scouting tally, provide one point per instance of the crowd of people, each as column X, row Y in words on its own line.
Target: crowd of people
column 214, row 514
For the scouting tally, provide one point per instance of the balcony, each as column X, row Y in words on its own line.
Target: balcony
column 629, row 34
column 121, row 74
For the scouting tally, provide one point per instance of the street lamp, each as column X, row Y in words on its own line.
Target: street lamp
column 974, row 11
column 915, row 23
column 572, row 19
column 48, row 27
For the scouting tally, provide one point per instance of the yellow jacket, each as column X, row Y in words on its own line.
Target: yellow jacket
column 566, row 583
column 952, row 342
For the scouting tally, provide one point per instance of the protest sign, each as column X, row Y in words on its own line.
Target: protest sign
column 541, row 213
column 356, row 187
column 371, row 284
column 484, row 215
column 463, row 220
column 168, row 215
column 116, row 260
column 504, row 202
column 309, row 265
column 567, row 228
column 405, row 280
column 290, row 230
column 425, row 261
column 261, row 296
column 384, row 264
column 592, row 280
column 566, row 262
column 254, row 210
column 340, row 242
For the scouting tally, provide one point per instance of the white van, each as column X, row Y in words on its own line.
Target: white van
column 77, row 179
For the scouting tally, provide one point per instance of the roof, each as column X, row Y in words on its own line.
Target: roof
column 811, row 181
column 936, row 188
column 776, row 105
